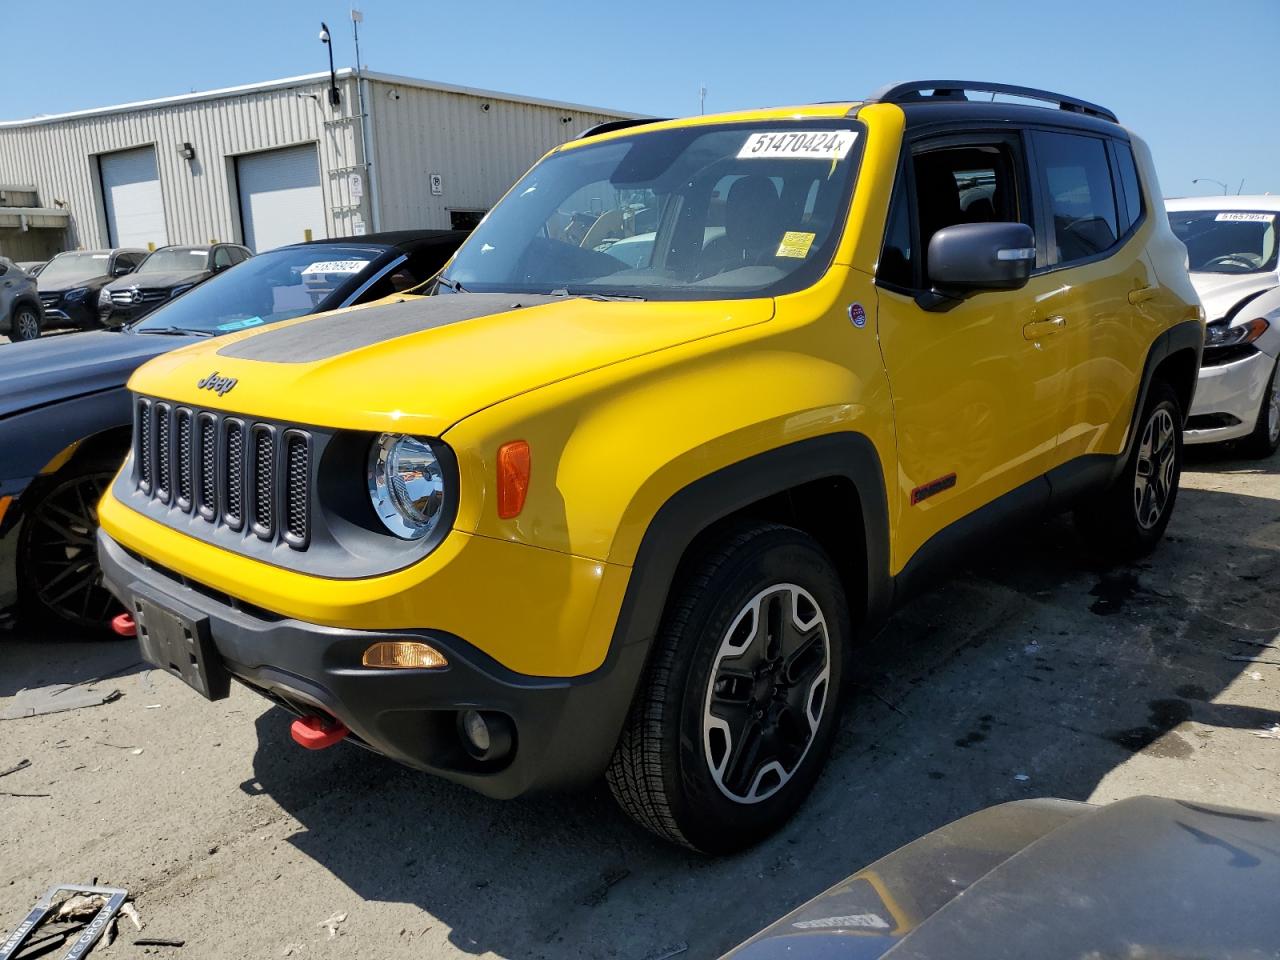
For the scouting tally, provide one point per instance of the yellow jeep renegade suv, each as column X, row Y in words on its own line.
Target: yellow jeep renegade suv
column 695, row 404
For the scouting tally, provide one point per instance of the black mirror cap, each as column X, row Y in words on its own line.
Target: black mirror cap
column 969, row 257
column 122, row 270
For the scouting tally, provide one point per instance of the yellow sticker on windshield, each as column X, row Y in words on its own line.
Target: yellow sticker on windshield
column 795, row 244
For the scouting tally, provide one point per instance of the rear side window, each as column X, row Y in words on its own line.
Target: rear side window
column 1082, row 203
column 1128, row 171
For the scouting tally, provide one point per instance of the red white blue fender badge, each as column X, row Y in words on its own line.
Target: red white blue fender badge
column 858, row 315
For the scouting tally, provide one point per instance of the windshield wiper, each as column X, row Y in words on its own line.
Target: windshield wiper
column 177, row 331
column 593, row 295
column 453, row 285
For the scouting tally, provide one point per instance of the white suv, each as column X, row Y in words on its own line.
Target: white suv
column 1233, row 244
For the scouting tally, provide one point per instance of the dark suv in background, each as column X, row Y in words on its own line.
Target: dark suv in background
column 70, row 284
column 165, row 274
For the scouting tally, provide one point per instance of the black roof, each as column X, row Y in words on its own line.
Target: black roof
column 928, row 102
column 404, row 240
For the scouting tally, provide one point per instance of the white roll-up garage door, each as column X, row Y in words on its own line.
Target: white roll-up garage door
column 131, row 195
column 280, row 197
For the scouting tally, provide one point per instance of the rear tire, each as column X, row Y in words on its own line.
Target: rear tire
column 1127, row 520
column 59, row 579
column 741, row 697
column 25, row 324
column 1265, row 439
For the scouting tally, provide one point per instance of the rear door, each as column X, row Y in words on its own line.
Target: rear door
column 1097, row 265
column 977, row 389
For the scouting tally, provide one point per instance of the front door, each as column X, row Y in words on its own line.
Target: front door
column 977, row 388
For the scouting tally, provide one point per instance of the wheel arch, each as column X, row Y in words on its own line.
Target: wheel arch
column 1174, row 357
column 831, row 487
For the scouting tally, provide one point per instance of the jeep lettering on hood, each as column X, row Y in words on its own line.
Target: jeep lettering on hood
column 219, row 385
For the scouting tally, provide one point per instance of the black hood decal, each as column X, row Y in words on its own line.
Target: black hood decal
column 344, row 331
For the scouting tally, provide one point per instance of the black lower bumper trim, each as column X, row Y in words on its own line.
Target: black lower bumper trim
column 565, row 728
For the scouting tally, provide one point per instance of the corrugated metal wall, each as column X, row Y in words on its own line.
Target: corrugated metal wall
column 200, row 200
column 478, row 153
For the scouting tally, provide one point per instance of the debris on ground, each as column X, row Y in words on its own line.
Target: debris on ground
column 130, row 911
column 1270, row 733
column 20, row 765
column 92, row 910
column 56, row 698
column 332, row 924
column 159, row 942
column 1021, row 777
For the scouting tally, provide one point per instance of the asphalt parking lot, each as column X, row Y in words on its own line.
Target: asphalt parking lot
column 1029, row 674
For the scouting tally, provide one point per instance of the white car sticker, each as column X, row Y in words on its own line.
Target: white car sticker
column 1239, row 217
column 336, row 266
column 803, row 144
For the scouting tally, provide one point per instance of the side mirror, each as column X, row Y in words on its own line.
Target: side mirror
column 970, row 257
column 121, row 270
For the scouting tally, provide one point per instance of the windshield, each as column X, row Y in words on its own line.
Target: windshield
column 695, row 213
column 73, row 267
column 270, row 287
column 1227, row 241
column 176, row 260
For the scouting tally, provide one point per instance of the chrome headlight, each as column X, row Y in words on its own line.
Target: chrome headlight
column 76, row 295
column 104, row 297
column 406, row 485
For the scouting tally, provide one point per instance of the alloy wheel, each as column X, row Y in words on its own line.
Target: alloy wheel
column 26, row 325
column 1157, row 460
column 62, row 557
column 767, row 693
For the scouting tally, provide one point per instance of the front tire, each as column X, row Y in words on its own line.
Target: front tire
column 741, row 697
column 1127, row 520
column 58, row 573
column 1265, row 439
column 25, row 324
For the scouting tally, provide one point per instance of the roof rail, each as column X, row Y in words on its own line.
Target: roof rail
column 913, row 92
column 610, row 125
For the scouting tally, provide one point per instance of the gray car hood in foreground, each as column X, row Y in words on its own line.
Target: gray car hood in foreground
column 1219, row 292
column 37, row 372
column 1048, row 879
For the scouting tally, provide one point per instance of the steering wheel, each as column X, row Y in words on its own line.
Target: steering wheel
column 1242, row 259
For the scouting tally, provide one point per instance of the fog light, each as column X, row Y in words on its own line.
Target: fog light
column 486, row 736
column 404, row 654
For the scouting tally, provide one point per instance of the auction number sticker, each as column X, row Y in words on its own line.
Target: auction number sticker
column 1242, row 217
column 803, row 144
column 336, row 266
column 795, row 244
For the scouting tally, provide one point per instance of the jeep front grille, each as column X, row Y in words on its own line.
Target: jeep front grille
column 225, row 470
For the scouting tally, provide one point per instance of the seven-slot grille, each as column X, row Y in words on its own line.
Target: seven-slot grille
column 124, row 298
column 225, row 470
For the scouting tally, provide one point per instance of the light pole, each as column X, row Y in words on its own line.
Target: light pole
column 335, row 97
column 1211, row 180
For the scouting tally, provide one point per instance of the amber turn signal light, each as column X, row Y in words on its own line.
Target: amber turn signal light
column 513, row 478
column 404, row 654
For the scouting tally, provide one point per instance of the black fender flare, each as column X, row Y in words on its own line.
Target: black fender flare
column 695, row 508
column 1187, row 335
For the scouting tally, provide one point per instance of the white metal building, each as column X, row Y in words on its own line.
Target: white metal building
column 271, row 163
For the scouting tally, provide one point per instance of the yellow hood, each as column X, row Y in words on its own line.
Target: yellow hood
column 421, row 365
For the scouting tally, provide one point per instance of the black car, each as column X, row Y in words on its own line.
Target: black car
column 65, row 413
column 167, row 273
column 1047, row 879
column 71, row 282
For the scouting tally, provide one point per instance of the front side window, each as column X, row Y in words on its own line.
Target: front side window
column 222, row 257
column 694, row 213
column 1227, row 241
column 1079, row 191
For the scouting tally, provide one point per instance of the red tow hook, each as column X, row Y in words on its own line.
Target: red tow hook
column 316, row 733
column 124, row 625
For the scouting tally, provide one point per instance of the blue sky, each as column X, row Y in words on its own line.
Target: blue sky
column 1197, row 80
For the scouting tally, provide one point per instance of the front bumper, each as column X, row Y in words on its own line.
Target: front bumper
column 78, row 314
column 565, row 728
column 1228, row 398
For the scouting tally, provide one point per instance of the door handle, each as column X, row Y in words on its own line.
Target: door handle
column 1038, row 329
column 1141, row 295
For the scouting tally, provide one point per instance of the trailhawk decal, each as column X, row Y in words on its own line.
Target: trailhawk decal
column 927, row 490
column 801, row 144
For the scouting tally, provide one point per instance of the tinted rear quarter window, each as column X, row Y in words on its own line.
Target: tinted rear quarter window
column 1080, row 195
column 1128, row 171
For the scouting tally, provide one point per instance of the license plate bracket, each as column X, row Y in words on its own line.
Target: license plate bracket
column 179, row 642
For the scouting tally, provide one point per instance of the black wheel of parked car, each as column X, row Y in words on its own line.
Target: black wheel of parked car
column 1128, row 519
column 741, row 696
column 1265, row 439
column 25, row 324
column 58, row 572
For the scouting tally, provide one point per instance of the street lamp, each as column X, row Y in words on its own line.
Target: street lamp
column 1211, row 180
column 335, row 97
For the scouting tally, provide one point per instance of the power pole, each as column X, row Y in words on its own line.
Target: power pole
column 702, row 99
